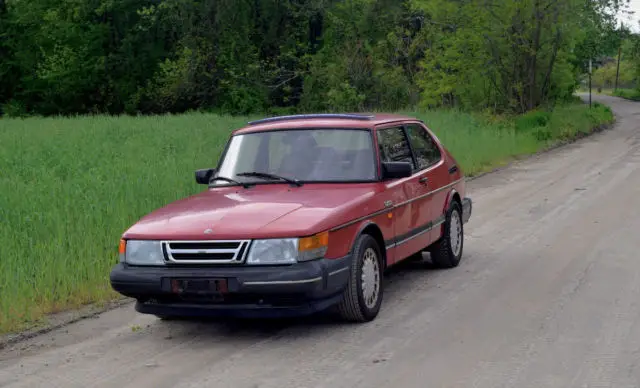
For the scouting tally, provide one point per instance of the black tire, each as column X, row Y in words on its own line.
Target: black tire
column 353, row 307
column 442, row 252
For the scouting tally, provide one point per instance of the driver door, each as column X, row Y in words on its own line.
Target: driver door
column 432, row 176
column 393, row 146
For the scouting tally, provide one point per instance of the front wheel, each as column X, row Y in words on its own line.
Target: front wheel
column 362, row 298
column 446, row 252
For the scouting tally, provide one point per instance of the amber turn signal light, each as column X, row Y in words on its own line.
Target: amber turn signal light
column 313, row 247
column 319, row 240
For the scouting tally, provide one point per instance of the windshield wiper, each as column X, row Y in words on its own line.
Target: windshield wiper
column 224, row 178
column 266, row 175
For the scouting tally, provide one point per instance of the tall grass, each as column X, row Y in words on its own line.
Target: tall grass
column 70, row 186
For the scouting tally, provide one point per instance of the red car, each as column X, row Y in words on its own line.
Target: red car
column 302, row 213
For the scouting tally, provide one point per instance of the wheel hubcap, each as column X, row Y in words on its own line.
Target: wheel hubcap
column 370, row 278
column 455, row 233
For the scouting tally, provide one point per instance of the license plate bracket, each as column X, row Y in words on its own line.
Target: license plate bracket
column 199, row 286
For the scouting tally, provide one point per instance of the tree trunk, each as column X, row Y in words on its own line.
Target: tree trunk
column 554, row 53
column 533, row 56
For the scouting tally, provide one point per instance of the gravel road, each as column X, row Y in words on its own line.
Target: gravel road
column 547, row 295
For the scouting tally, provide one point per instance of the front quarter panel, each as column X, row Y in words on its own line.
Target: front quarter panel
column 343, row 235
column 341, row 241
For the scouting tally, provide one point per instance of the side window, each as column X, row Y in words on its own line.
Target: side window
column 394, row 146
column 426, row 151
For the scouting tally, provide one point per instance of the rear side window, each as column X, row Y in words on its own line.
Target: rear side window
column 424, row 146
column 394, row 146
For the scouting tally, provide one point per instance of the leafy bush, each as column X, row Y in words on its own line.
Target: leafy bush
column 605, row 76
column 13, row 108
column 533, row 119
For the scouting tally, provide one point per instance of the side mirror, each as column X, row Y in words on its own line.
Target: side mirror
column 204, row 176
column 395, row 170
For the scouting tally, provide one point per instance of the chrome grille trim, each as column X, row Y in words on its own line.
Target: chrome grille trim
column 203, row 251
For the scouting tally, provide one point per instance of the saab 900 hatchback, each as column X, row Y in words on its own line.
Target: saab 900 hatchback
column 303, row 213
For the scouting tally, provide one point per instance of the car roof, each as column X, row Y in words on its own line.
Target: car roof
column 323, row 120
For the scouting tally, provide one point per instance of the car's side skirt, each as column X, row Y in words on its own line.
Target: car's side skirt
column 414, row 233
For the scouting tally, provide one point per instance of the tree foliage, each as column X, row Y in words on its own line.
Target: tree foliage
column 244, row 56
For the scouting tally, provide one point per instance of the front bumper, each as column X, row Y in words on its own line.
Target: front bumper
column 467, row 206
column 252, row 291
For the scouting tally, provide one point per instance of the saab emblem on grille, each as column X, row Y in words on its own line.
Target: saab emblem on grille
column 208, row 231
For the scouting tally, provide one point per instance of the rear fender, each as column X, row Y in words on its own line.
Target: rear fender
column 452, row 194
column 450, row 198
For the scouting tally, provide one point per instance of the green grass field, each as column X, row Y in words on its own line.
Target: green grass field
column 71, row 186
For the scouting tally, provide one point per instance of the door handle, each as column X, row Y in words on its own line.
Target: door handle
column 423, row 180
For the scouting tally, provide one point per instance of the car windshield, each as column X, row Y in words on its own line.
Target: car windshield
column 304, row 155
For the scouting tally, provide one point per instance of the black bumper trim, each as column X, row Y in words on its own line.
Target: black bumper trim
column 237, row 311
column 338, row 271
column 302, row 287
column 302, row 281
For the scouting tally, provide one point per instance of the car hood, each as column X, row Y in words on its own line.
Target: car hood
column 262, row 211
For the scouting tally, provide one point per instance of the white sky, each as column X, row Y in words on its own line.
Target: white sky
column 632, row 20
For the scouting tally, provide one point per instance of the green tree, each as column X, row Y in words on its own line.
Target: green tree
column 243, row 56
column 505, row 55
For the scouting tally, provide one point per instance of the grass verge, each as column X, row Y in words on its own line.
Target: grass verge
column 71, row 186
column 629, row 94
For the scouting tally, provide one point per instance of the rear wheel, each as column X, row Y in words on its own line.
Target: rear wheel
column 446, row 252
column 362, row 298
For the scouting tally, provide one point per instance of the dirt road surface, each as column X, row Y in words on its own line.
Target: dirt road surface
column 548, row 295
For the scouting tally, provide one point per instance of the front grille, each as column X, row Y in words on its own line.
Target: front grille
column 205, row 252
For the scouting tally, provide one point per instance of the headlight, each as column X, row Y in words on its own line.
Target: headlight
column 280, row 251
column 288, row 250
column 143, row 252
